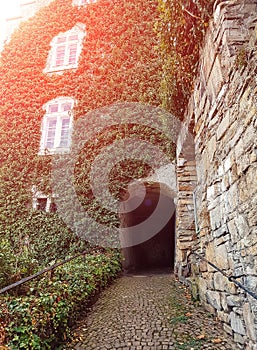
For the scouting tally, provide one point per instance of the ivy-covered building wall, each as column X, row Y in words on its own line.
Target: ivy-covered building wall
column 216, row 172
column 83, row 58
column 66, row 60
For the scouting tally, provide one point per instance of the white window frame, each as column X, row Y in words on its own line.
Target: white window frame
column 83, row 2
column 37, row 195
column 57, row 110
column 67, row 46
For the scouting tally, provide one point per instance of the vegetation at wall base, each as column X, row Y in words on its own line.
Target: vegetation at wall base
column 42, row 317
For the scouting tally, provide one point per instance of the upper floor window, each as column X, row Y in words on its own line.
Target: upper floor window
column 83, row 2
column 57, row 126
column 65, row 50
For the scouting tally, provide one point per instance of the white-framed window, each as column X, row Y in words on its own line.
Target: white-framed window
column 42, row 202
column 65, row 50
column 56, row 127
column 83, row 2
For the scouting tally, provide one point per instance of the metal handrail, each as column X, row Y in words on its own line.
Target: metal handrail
column 39, row 273
column 230, row 278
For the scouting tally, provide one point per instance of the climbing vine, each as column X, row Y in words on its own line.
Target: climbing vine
column 118, row 63
column 133, row 51
column 143, row 51
column 180, row 29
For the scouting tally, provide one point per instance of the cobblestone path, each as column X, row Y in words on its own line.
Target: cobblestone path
column 148, row 313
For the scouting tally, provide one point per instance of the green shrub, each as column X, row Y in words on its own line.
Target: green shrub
column 42, row 319
column 15, row 264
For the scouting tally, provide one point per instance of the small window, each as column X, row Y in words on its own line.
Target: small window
column 57, row 126
column 66, row 106
column 45, row 204
column 65, row 50
column 42, row 202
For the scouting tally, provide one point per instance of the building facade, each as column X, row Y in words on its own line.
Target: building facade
column 216, row 163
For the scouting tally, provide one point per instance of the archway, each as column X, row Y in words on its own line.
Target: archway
column 152, row 244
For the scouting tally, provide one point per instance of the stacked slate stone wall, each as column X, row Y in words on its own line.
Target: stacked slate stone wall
column 223, row 112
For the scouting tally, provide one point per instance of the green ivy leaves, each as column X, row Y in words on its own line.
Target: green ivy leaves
column 180, row 29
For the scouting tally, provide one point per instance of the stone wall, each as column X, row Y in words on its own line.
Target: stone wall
column 223, row 112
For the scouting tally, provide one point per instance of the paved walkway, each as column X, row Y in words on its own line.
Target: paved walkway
column 148, row 313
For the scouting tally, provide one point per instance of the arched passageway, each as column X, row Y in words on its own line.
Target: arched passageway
column 148, row 224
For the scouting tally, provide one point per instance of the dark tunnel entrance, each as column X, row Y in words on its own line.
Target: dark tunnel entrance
column 148, row 240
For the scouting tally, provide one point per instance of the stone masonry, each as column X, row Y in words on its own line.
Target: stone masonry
column 223, row 113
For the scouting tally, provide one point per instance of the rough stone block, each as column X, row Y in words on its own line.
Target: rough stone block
column 223, row 301
column 231, row 288
column 242, row 225
column 236, row 142
column 213, row 298
column 202, row 287
column 223, row 316
column 223, row 126
column 216, row 79
column 237, row 324
column 203, row 266
column 249, row 322
column 251, row 179
column 234, row 300
column 233, row 231
column 210, row 255
column 232, row 199
column 220, row 282
column 251, row 283
column 221, row 234
column 211, row 148
column 221, row 257
column 215, row 218
column 249, row 136
column 228, row 329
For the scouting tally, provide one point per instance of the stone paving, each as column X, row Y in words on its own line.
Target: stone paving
column 148, row 312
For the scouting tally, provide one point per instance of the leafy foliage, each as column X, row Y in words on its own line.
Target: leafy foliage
column 180, row 28
column 42, row 319
column 123, row 172
column 118, row 63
